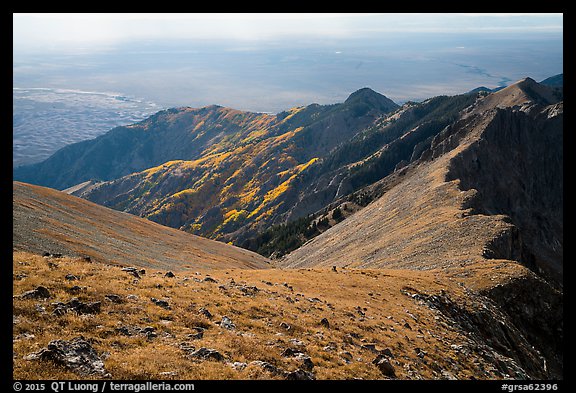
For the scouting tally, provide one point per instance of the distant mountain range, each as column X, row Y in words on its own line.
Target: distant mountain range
column 556, row 82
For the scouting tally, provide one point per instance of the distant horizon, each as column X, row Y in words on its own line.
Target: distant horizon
column 264, row 63
column 271, row 61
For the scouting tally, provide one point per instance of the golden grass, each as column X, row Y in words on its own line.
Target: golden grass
column 295, row 298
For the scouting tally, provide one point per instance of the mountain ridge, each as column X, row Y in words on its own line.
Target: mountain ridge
column 500, row 165
column 49, row 221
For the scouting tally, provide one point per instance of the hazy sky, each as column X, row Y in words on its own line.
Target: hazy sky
column 77, row 75
column 272, row 62
column 54, row 32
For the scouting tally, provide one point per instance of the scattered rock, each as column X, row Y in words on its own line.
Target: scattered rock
column 161, row 303
column 297, row 342
column 289, row 352
column 71, row 277
column 324, row 322
column 267, row 367
column 305, row 361
column 168, row 374
column 239, row 365
column 346, row 356
column 77, row 306
column 207, row 353
column 186, row 347
column 76, row 355
column 300, row 375
column 38, row 293
column 205, row 312
column 334, row 269
column 169, row 275
column 248, row 291
column 420, row 353
column 199, row 333
column 75, row 289
column 285, row 326
column 384, row 366
column 209, row 279
column 369, row 347
column 149, row 332
column 114, row 298
column 131, row 270
column 227, row 323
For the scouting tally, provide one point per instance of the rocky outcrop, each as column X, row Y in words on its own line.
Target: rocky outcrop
column 516, row 169
column 505, row 329
column 76, row 355
column 536, row 310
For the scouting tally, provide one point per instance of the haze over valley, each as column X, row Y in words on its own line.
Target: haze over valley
column 68, row 73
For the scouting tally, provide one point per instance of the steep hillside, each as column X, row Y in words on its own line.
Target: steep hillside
column 173, row 134
column 489, row 185
column 242, row 182
column 195, row 133
column 234, row 195
column 49, row 221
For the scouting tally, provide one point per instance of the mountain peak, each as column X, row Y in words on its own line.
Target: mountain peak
column 364, row 93
column 530, row 90
column 373, row 98
column 524, row 91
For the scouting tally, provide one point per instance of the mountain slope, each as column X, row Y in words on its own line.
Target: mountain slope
column 173, row 134
column 234, row 195
column 236, row 182
column 191, row 134
column 489, row 184
column 280, row 324
column 489, row 187
column 46, row 220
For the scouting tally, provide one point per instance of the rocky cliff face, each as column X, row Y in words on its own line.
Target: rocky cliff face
column 516, row 167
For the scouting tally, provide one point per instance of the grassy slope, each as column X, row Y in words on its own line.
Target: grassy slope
column 298, row 297
column 47, row 220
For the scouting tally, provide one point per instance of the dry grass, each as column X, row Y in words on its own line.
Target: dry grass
column 48, row 220
column 362, row 306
